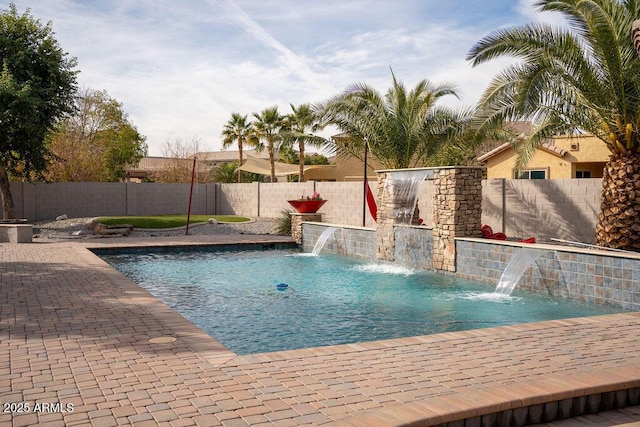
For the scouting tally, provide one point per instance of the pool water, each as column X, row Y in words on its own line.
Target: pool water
column 255, row 301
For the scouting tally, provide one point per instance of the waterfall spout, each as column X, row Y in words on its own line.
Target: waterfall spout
column 405, row 186
column 522, row 259
column 323, row 239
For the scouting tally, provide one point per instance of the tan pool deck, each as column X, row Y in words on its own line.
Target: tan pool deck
column 76, row 334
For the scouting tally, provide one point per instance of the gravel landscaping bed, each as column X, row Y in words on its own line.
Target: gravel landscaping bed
column 80, row 228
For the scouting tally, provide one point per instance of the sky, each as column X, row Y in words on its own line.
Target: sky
column 180, row 69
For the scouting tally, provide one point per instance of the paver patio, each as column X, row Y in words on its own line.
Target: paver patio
column 81, row 344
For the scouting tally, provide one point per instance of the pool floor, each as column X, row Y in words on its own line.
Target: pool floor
column 75, row 331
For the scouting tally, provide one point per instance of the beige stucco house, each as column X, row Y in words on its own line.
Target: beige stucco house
column 582, row 156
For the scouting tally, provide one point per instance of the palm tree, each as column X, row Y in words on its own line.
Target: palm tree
column 237, row 129
column 299, row 124
column 585, row 78
column 267, row 128
column 224, row 173
column 403, row 129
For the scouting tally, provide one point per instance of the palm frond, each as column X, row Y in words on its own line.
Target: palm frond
column 584, row 77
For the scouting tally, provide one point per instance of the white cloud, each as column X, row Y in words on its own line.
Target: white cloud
column 182, row 69
column 527, row 9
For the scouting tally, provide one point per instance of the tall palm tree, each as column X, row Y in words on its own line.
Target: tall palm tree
column 299, row 124
column 267, row 129
column 583, row 78
column 402, row 128
column 237, row 129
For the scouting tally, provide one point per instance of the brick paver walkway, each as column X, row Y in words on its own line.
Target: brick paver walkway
column 81, row 344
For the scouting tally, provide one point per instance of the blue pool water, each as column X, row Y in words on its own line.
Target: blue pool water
column 239, row 298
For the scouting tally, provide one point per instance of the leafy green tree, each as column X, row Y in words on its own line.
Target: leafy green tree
column 582, row 78
column 402, row 128
column 267, row 128
column 95, row 143
column 299, row 125
column 238, row 130
column 316, row 159
column 37, row 86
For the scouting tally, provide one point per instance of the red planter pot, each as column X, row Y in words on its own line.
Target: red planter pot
column 307, row 206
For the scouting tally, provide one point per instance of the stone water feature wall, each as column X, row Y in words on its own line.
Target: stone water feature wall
column 413, row 247
column 457, row 212
column 356, row 242
column 589, row 275
column 385, row 235
column 296, row 223
column 595, row 276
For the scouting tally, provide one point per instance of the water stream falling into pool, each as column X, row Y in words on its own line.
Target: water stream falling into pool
column 522, row 259
column 405, row 186
column 323, row 239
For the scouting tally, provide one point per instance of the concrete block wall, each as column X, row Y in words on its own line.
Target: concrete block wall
column 153, row 199
column 562, row 208
column 274, row 196
column 47, row 201
column 565, row 209
column 42, row 201
column 344, row 200
column 238, row 199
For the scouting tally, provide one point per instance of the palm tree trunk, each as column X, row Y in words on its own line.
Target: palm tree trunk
column 5, row 193
column 240, row 161
column 301, row 161
column 272, row 162
column 619, row 220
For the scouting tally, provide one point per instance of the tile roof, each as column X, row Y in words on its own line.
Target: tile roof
column 545, row 146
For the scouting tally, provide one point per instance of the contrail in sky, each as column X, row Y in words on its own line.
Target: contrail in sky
column 237, row 17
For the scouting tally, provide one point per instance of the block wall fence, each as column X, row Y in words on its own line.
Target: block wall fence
column 564, row 209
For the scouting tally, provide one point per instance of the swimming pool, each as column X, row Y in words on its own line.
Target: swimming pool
column 239, row 297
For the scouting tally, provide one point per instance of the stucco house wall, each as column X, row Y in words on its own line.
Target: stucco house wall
column 561, row 159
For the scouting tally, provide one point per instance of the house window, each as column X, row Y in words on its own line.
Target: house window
column 583, row 174
column 532, row 174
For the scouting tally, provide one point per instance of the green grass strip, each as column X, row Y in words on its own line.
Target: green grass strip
column 166, row 221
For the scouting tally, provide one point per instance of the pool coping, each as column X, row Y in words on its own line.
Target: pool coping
column 428, row 380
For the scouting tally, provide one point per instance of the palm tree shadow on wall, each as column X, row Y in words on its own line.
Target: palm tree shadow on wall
column 544, row 213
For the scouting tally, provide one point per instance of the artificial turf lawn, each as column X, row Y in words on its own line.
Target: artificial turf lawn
column 165, row 221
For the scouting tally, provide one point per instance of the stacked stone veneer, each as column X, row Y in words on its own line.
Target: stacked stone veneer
column 593, row 276
column 457, row 212
column 296, row 224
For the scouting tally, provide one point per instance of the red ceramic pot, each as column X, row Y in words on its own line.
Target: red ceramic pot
column 307, row 206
